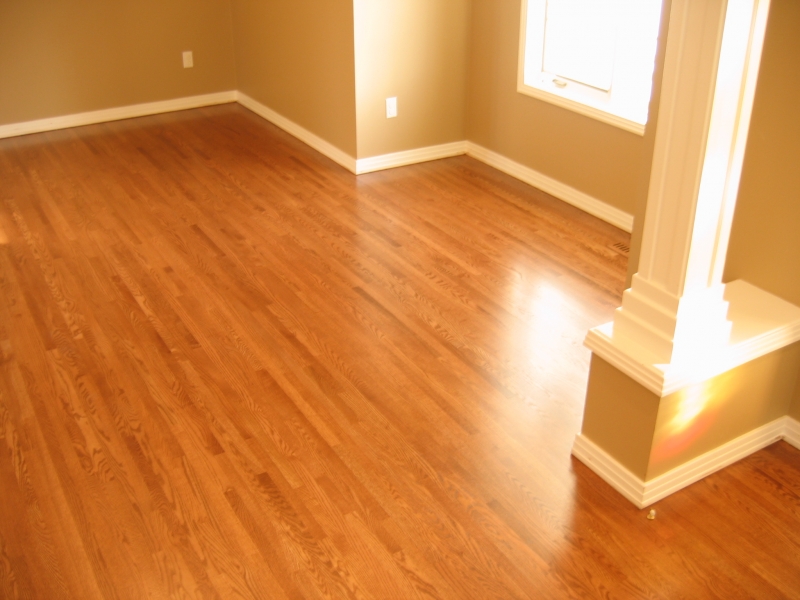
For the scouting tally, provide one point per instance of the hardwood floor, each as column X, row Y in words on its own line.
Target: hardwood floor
column 230, row 369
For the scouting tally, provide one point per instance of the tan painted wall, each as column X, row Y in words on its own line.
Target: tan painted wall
column 723, row 408
column 297, row 58
column 765, row 240
column 60, row 58
column 601, row 160
column 651, row 435
column 794, row 409
column 417, row 51
column 620, row 416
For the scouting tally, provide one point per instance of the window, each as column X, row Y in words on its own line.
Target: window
column 595, row 57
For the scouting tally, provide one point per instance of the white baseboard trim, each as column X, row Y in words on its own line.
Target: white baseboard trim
column 609, row 470
column 530, row 176
column 568, row 194
column 792, row 433
column 115, row 114
column 304, row 135
column 409, row 157
column 644, row 493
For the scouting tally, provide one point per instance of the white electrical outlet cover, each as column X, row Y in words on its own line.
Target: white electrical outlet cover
column 391, row 107
column 188, row 60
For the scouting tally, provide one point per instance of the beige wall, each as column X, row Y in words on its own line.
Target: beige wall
column 650, row 435
column 722, row 409
column 794, row 409
column 601, row 160
column 297, row 58
column 765, row 240
column 620, row 416
column 417, row 51
column 59, row 58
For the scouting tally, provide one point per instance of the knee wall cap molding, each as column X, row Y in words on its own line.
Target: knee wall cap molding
column 761, row 323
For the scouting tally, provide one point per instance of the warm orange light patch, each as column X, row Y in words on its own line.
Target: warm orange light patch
column 694, row 400
column 695, row 411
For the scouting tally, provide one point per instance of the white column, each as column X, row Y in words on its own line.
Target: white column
column 674, row 312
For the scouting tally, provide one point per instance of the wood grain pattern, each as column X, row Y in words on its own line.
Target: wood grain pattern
column 230, row 369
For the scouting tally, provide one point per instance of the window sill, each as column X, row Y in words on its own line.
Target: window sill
column 582, row 108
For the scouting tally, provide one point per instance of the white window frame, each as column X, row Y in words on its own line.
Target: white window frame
column 591, row 102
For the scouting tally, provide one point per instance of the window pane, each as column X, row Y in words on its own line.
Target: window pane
column 579, row 42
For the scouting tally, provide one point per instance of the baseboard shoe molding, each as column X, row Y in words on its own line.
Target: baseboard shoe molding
column 568, row 194
column 304, row 135
column 409, row 157
column 644, row 493
column 115, row 114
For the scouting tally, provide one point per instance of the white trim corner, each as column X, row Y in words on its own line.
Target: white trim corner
column 301, row 133
column 792, row 433
column 409, row 157
column 609, row 470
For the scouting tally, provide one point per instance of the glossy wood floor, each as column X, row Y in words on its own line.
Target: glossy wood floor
column 230, row 369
